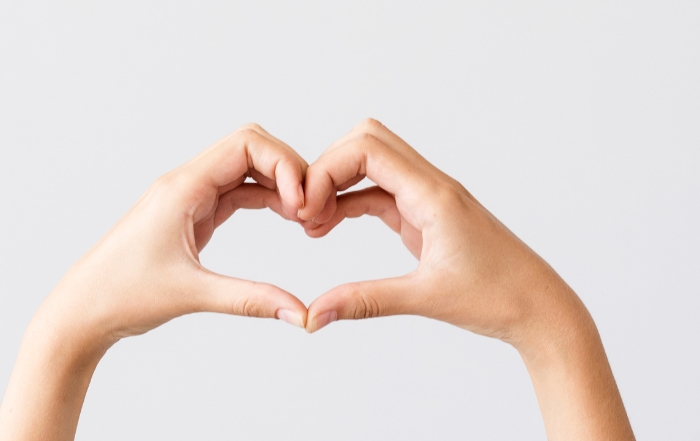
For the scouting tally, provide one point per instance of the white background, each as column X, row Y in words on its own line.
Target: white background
column 576, row 123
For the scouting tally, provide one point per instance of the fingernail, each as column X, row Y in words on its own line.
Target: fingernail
column 301, row 195
column 290, row 317
column 325, row 318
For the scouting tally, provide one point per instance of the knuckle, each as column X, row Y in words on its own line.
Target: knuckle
column 443, row 186
column 364, row 306
column 163, row 182
column 368, row 143
column 248, row 307
column 369, row 139
column 250, row 127
column 166, row 180
column 288, row 161
column 370, row 124
column 449, row 194
column 247, row 133
column 170, row 183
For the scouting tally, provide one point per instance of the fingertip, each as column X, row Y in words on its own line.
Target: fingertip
column 291, row 198
column 317, row 231
column 300, row 191
column 328, row 210
column 289, row 176
column 303, row 215
column 321, row 320
column 307, row 213
column 291, row 317
column 318, row 186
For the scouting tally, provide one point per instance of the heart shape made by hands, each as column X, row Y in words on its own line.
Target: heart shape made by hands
column 311, row 196
column 471, row 268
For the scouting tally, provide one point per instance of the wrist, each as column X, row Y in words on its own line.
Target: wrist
column 66, row 333
column 574, row 384
column 564, row 356
column 48, row 384
column 559, row 340
column 552, row 321
column 64, row 344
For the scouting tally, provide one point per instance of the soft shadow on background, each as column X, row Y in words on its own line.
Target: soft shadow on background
column 578, row 125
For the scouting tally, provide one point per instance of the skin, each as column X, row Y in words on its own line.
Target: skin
column 472, row 272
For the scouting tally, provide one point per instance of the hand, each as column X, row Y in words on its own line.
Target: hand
column 472, row 272
column 146, row 271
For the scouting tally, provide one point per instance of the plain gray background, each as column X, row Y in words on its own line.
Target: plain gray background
column 576, row 123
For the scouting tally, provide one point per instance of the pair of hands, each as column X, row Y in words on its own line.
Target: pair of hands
column 472, row 271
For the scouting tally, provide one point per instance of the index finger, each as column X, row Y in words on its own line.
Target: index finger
column 393, row 166
column 250, row 148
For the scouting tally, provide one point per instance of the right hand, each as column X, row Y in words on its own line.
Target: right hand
column 146, row 270
column 472, row 272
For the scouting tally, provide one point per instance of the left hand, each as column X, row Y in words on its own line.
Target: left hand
column 146, row 270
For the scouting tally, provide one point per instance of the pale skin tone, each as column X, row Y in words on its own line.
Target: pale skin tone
column 472, row 272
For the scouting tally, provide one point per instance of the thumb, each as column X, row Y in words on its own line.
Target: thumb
column 360, row 300
column 229, row 295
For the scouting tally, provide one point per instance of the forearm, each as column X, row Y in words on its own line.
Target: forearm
column 48, row 385
column 575, row 387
